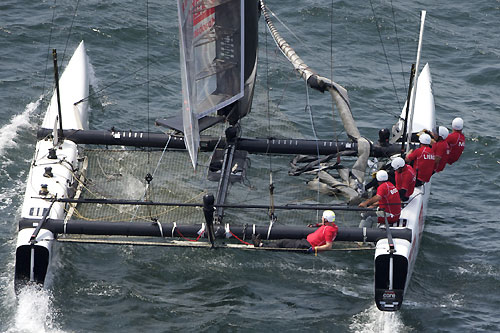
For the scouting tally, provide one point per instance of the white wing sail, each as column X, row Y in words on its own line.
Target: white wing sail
column 212, row 60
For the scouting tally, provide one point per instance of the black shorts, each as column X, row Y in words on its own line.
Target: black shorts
column 290, row 243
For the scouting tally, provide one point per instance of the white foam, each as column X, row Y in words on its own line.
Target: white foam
column 94, row 83
column 34, row 312
column 9, row 131
column 373, row 320
column 14, row 189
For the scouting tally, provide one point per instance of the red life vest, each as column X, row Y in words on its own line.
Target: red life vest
column 389, row 201
column 324, row 234
column 405, row 180
column 424, row 162
column 456, row 140
column 442, row 149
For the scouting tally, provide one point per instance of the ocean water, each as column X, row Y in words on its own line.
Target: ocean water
column 456, row 282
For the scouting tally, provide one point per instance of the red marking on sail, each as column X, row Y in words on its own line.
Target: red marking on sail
column 203, row 20
column 203, row 14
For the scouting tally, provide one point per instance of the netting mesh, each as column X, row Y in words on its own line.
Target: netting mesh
column 121, row 174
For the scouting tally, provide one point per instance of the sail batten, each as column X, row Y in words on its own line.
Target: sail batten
column 212, row 60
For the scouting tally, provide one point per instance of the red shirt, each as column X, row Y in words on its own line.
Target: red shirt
column 405, row 180
column 424, row 162
column 390, row 202
column 456, row 140
column 442, row 149
column 324, row 234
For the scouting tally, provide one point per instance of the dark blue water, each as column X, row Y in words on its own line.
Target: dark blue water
column 456, row 282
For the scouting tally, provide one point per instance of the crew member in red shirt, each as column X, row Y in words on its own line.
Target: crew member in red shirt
column 405, row 178
column 456, row 140
column 423, row 158
column 441, row 149
column 320, row 240
column 387, row 198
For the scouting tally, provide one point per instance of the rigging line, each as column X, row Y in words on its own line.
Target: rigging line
column 278, row 103
column 331, row 42
column 97, row 93
column 336, row 134
column 289, row 30
column 399, row 48
column 147, row 72
column 113, row 92
column 205, row 179
column 271, row 185
column 385, row 53
column 331, row 78
column 308, row 109
column 48, row 51
column 153, row 175
column 69, row 34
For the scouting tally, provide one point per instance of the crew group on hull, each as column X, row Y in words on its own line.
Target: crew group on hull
column 414, row 170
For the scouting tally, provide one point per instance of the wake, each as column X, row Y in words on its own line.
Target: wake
column 372, row 320
column 34, row 312
column 9, row 131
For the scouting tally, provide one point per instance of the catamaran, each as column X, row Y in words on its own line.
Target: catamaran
column 73, row 174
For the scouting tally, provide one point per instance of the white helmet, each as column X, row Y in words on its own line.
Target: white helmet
column 329, row 215
column 382, row 176
column 397, row 163
column 457, row 124
column 425, row 139
column 443, row 132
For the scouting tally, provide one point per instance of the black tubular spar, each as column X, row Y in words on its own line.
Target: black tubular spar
column 407, row 111
column 41, row 223
column 150, row 229
column 208, row 211
column 223, row 186
column 257, row 145
column 56, row 78
column 182, row 204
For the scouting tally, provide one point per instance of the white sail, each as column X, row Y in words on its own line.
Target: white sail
column 212, row 60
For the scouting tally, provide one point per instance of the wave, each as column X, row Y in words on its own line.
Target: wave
column 9, row 131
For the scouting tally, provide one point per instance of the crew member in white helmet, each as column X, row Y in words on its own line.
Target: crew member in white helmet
column 423, row 159
column 387, row 199
column 441, row 149
column 456, row 140
column 320, row 240
column 405, row 178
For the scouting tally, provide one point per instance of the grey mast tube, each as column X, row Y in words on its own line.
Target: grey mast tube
column 338, row 93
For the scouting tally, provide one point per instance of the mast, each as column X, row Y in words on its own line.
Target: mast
column 405, row 127
column 414, row 90
column 56, row 78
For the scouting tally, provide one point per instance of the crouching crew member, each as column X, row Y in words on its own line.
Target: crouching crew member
column 405, row 178
column 441, row 149
column 320, row 240
column 387, row 198
column 423, row 159
column 456, row 140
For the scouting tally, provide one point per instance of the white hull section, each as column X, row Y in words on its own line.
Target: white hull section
column 52, row 174
column 393, row 271
column 73, row 87
column 424, row 116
